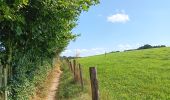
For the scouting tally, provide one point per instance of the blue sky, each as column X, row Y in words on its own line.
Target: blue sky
column 121, row 24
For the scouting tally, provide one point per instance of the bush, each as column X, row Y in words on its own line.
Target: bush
column 147, row 46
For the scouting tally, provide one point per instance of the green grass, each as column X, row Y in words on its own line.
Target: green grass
column 133, row 75
column 68, row 89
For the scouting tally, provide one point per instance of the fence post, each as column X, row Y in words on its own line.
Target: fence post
column 1, row 80
column 1, row 76
column 70, row 64
column 67, row 60
column 74, row 69
column 94, row 83
column 5, row 83
column 11, row 76
column 81, row 78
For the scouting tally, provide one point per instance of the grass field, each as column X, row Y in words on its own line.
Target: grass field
column 132, row 75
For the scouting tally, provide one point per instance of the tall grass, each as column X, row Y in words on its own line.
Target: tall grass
column 68, row 89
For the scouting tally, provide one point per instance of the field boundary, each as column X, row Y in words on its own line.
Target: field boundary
column 76, row 70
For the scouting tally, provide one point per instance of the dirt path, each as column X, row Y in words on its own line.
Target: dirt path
column 49, row 88
column 54, row 85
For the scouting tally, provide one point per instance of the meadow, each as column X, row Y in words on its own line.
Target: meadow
column 131, row 75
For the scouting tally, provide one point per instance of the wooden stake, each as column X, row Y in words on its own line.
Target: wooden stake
column 5, row 83
column 1, row 76
column 71, row 68
column 81, row 78
column 94, row 83
column 74, row 69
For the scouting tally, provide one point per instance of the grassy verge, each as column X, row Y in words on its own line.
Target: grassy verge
column 68, row 89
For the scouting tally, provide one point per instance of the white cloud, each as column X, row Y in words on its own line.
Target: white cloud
column 81, row 50
column 66, row 52
column 138, row 45
column 125, row 47
column 84, row 52
column 98, row 49
column 120, row 17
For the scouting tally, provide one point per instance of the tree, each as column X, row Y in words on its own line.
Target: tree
column 146, row 46
column 36, row 29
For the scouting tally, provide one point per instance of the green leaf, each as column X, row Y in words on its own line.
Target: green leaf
column 25, row 2
column 18, row 30
column 85, row 7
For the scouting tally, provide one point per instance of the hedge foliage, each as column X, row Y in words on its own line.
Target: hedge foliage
column 32, row 32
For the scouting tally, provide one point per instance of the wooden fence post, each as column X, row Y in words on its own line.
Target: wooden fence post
column 11, row 76
column 1, row 76
column 94, row 83
column 81, row 78
column 74, row 69
column 70, row 64
column 5, row 83
column 67, row 60
column 1, row 80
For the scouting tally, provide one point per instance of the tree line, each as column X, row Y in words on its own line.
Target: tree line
column 147, row 46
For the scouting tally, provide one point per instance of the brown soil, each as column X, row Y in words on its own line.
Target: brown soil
column 48, row 90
